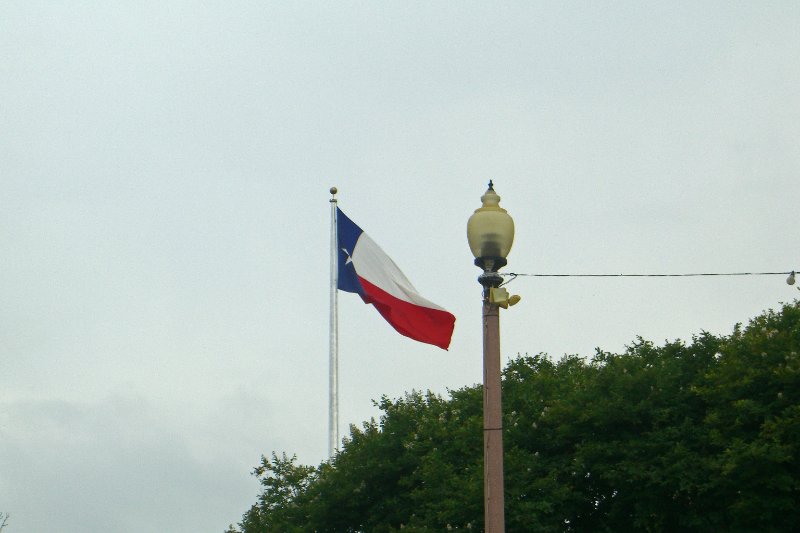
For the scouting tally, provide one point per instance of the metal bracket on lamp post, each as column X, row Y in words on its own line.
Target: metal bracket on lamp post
column 490, row 277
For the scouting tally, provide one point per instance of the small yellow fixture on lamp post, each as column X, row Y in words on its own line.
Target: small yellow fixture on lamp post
column 490, row 231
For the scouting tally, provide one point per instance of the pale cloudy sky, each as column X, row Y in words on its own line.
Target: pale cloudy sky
column 164, row 169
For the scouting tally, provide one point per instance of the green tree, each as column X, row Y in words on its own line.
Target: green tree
column 284, row 483
column 698, row 436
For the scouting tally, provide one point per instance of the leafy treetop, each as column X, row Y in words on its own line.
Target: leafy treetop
column 699, row 436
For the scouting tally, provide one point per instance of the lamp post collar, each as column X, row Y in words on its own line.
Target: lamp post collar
column 489, row 279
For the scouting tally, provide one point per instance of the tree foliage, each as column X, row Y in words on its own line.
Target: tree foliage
column 699, row 436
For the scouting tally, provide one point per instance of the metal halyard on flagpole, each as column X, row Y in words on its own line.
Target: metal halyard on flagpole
column 333, row 360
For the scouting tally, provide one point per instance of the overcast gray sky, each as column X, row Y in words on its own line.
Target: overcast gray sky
column 164, row 216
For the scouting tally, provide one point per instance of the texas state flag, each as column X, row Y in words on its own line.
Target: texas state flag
column 366, row 270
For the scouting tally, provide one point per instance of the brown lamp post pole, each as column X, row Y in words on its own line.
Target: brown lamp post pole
column 490, row 231
column 494, row 514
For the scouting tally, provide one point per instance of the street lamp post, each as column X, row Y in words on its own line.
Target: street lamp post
column 490, row 231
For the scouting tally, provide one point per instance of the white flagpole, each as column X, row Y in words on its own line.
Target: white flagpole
column 333, row 377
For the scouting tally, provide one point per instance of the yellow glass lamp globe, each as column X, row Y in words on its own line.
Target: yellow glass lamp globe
column 490, row 232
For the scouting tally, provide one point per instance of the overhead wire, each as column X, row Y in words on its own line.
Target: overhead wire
column 515, row 275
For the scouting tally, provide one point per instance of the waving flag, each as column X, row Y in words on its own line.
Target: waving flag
column 366, row 270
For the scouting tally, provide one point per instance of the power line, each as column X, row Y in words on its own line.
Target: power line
column 514, row 275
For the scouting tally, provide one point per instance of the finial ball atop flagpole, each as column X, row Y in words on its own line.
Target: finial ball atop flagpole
column 334, row 190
